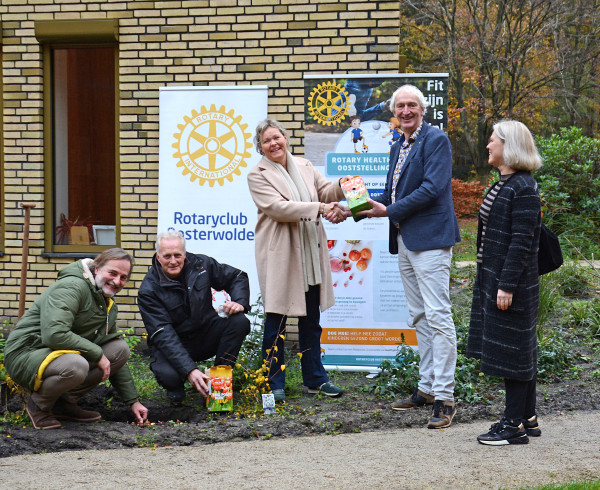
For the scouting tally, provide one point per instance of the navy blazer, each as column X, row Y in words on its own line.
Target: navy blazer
column 423, row 209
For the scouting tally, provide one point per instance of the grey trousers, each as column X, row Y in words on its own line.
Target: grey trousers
column 71, row 376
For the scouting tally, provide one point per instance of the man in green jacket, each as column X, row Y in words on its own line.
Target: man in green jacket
column 67, row 342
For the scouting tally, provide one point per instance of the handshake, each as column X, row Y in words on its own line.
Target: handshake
column 334, row 212
column 358, row 197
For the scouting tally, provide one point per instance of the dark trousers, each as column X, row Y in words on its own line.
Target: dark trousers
column 520, row 399
column 309, row 335
column 221, row 338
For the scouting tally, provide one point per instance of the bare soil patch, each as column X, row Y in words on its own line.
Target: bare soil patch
column 303, row 415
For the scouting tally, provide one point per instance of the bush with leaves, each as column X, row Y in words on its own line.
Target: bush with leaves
column 398, row 376
column 569, row 181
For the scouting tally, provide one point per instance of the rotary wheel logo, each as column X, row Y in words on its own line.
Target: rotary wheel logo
column 212, row 145
column 328, row 103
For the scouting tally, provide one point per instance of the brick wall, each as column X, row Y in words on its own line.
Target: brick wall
column 161, row 43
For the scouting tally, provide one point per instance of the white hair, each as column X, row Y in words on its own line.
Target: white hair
column 168, row 235
column 412, row 90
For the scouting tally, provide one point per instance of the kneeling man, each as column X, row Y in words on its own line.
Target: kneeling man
column 68, row 342
column 175, row 300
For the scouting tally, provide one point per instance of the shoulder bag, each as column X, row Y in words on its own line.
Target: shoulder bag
column 549, row 255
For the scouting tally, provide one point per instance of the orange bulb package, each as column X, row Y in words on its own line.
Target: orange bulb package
column 220, row 389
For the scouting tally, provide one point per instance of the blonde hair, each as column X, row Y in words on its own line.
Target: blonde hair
column 520, row 151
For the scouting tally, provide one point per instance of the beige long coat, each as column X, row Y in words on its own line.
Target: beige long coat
column 277, row 236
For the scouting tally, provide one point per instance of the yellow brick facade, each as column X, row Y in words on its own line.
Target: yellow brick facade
column 167, row 43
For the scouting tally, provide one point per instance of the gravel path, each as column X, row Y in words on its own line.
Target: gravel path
column 569, row 449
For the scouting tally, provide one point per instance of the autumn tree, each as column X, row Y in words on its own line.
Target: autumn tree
column 503, row 60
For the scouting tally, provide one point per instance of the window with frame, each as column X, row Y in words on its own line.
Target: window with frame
column 80, row 135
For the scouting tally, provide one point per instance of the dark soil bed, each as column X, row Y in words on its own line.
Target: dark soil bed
column 303, row 415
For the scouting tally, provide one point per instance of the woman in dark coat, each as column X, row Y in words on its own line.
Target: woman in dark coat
column 502, row 331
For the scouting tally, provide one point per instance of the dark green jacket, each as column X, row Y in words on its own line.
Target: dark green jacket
column 72, row 314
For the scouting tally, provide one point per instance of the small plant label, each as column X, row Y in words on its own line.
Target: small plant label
column 268, row 401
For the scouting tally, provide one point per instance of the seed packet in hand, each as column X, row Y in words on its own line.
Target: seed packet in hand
column 356, row 195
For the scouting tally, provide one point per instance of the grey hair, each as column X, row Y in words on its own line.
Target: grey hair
column 413, row 90
column 262, row 127
column 112, row 254
column 168, row 235
column 519, row 151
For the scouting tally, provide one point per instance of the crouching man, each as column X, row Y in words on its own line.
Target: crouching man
column 175, row 301
column 67, row 342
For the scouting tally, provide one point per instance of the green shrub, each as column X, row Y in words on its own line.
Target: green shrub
column 398, row 376
column 556, row 356
column 401, row 376
column 572, row 280
column 550, row 297
column 584, row 316
column 569, row 181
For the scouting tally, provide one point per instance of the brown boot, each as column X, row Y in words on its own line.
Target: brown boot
column 417, row 399
column 40, row 418
column 72, row 411
column 443, row 413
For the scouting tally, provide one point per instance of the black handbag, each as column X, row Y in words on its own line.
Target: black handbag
column 549, row 255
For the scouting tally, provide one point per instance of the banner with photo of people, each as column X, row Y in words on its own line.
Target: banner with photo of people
column 349, row 130
column 206, row 150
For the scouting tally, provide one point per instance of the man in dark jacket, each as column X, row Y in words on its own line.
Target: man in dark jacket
column 175, row 300
column 67, row 342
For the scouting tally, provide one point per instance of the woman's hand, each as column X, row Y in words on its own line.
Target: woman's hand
column 504, row 299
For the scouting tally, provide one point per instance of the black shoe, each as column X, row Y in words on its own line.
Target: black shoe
column 531, row 427
column 502, row 433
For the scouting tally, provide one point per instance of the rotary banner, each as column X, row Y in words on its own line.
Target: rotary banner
column 349, row 130
column 205, row 152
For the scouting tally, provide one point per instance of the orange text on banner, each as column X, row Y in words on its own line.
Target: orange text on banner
column 369, row 337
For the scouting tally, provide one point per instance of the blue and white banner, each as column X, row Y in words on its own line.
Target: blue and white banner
column 349, row 130
column 206, row 150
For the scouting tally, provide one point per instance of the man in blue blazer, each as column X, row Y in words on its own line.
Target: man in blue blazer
column 423, row 228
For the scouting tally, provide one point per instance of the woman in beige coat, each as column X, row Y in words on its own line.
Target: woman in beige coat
column 291, row 253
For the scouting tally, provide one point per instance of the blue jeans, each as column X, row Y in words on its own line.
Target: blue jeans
column 426, row 278
column 309, row 335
